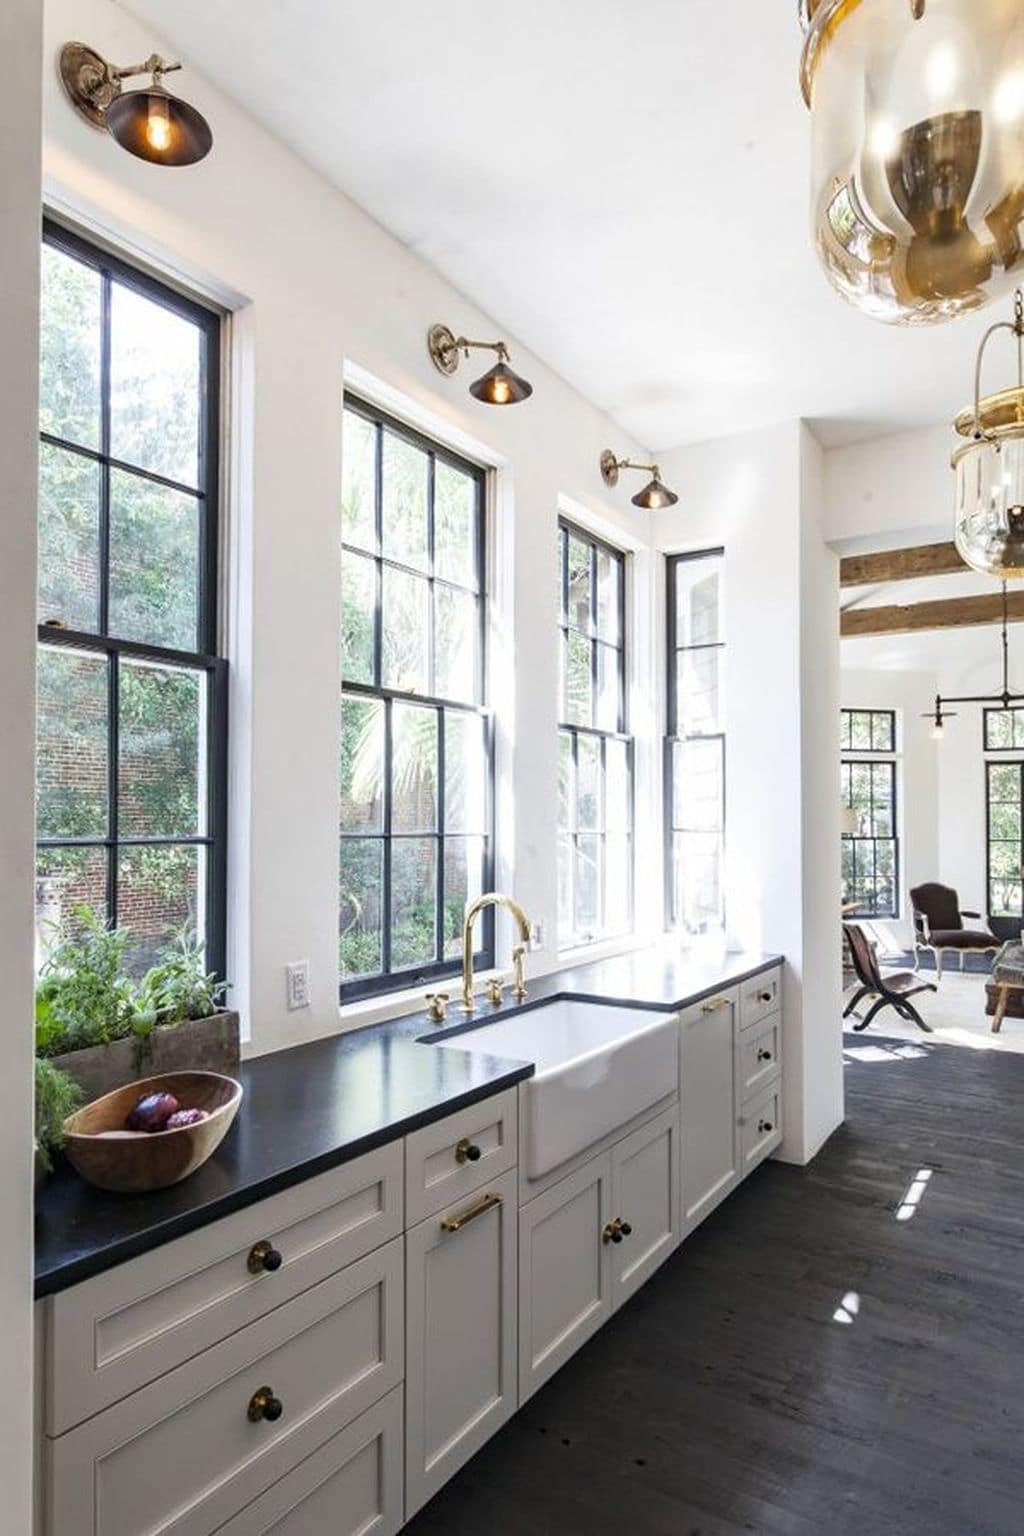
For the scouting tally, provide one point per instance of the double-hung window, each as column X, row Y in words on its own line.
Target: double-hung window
column 695, row 744
column 416, row 735
column 870, row 843
column 595, row 775
column 132, row 733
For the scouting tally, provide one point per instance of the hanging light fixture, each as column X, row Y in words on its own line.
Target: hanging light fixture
column 917, row 129
column 940, row 714
column 655, row 494
column 498, row 386
column 149, row 123
column 989, row 467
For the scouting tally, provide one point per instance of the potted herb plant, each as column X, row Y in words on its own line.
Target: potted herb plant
column 104, row 1028
column 57, row 1096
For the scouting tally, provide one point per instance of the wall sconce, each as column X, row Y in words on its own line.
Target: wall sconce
column 654, row 495
column 938, row 719
column 498, row 386
column 149, row 123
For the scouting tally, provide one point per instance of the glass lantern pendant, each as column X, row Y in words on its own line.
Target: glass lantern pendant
column 917, row 114
column 989, row 468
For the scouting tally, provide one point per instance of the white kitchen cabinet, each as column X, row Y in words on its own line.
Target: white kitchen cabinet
column 565, row 1272
column 710, row 1141
column 645, row 1202
column 461, row 1371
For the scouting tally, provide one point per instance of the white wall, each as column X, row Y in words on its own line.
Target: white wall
column 890, row 491
column 319, row 288
column 20, row 43
column 759, row 495
column 910, row 694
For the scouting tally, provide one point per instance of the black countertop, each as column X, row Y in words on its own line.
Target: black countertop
column 312, row 1107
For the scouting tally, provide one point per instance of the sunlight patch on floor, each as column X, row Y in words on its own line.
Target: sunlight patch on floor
column 956, row 1013
column 907, row 1207
column 847, row 1309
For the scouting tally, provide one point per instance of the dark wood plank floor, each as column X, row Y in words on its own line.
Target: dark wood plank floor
column 727, row 1397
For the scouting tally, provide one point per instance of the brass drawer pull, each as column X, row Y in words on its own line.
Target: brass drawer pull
column 263, row 1258
column 456, row 1223
column 764, row 1055
column 467, row 1151
column 714, row 1005
column 264, row 1405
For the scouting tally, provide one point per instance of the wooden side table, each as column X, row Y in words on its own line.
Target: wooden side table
column 1005, row 988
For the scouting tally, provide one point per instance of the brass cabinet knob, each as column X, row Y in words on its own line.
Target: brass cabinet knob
column 467, row 1151
column 764, row 1126
column 264, row 1258
column 764, row 1055
column 264, row 1405
column 616, row 1230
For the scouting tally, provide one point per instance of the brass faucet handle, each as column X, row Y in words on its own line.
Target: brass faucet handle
column 495, row 990
column 519, row 987
column 437, row 1006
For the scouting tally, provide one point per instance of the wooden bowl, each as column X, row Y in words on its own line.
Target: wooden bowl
column 135, row 1162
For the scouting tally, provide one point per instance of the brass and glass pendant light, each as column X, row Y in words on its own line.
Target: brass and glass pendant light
column 149, row 123
column 989, row 468
column 500, row 385
column 655, row 494
column 917, row 129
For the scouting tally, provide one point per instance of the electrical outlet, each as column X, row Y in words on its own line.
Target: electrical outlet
column 297, row 984
column 536, row 935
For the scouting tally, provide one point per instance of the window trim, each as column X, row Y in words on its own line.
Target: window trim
column 111, row 648
column 672, row 737
column 986, row 745
column 869, row 753
column 577, row 943
column 359, row 988
column 1017, row 763
column 888, row 760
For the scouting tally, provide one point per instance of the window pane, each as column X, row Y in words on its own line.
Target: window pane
column 362, row 764
column 67, row 880
column 883, row 731
column 1004, row 782
column 616, row 787
column 587, row 884
column 361, row 907
column 456, row 643
column 698, row 605
column 70, row 328
column 154, row 563
column 154, row 386
column 358, row 602
column 860, row 731
column 697, row 780
column 71, row 766
column 566, row 785
column 697, row 693
column 697, row 874
column 404, row 469
column 465, row 773
column 579, row 585
column 413, row 901
column 566, row 855
column 617, row 883
column 563, row 544
column 609, row 691
column 609, row 596
column 358, row 481
column 406, row 620
column 455, row 524
column 161, row 750
column 578, row 684
column 588, row 760
column 1004, row 822
column 69, row 538
column 998, row 729
column 413, row 769
column 463, row 882
column 158, row 893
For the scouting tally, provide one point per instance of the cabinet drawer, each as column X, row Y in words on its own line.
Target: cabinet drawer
column 761, row 1126
column 440, row 1165
column 760, row 1053
column 182, row 1456
column 760, row 996
column 350, row 1486
column 113, row 1334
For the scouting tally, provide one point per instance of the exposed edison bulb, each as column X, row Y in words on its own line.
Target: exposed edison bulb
column 938, row 731
column 158, row 123
column 501, row 393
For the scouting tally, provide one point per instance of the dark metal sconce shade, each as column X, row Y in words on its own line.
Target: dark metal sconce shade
column 500, row 386
column 159, row 127
column 149, row 123
column 654, row 496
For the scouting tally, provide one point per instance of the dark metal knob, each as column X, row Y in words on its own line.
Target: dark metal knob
column 764, row 1127
column 764, row 1055
column 625, row 1229
column 765, row 997
column 264, row 1258
column 616, row 1233
column 467, row 1151
column 264, row 1405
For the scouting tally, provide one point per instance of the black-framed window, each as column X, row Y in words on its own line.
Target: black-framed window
column 695, row 743
column 870, row 846
column 595, row 749
column 867, row 730
column 417, row 739
column 1004, row 810
column 132, row 694
column 1003, row 730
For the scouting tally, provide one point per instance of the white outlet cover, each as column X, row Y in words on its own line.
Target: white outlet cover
column 297, row 984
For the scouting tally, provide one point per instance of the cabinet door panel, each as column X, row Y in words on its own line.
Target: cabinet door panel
column 564, row 1271
column 645, row 1195
column 461, row 1325
column 710, row 1159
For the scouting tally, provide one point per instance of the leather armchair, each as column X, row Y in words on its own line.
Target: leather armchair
column 939, row 926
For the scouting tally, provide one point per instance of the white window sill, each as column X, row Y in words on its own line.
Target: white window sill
column 601, row 949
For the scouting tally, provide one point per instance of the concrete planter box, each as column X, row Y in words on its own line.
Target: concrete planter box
column 200, row 1045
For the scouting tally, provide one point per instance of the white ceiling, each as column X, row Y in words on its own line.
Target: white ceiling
column 622, row 185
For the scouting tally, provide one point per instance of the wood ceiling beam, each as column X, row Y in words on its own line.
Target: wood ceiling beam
column 900, row 565
column 949, row 613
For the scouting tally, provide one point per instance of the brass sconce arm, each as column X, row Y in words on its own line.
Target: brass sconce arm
column 445, row 346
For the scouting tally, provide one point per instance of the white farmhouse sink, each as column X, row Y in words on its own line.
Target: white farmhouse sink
column 597, row 1067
